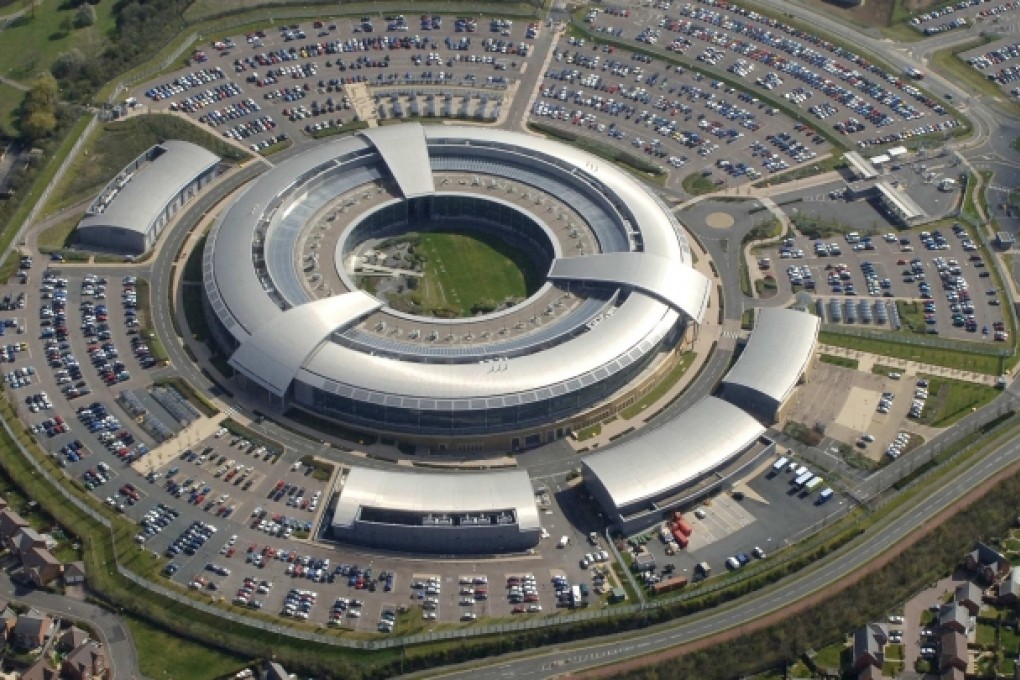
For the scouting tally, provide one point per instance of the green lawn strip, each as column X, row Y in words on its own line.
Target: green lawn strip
column 321, row 470
column 1015, row 144
column 118, row 143
column 229, row 11
column 162, row 654
column 844, row 362
column 882, row 369
column 637, row 165
column 239, row 430
column 340, row 129
column 937, row 356
column 32, row 42
column 58, row 236
column 950, row 400
column 10, row 101
column 193, row 267
column 588, row 432
column 41, row 182
column 833, row 161
column 664, row 385
column 193, row 314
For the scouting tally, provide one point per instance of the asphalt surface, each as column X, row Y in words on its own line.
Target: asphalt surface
column 767, row 601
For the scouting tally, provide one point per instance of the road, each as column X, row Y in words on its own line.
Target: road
column 840, row 565
column 113, row 634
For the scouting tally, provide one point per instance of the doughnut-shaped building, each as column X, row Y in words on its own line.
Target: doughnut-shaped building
column 284, row 273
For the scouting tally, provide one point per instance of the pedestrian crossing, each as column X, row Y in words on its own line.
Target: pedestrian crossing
column 732, row 335
column 229, row 412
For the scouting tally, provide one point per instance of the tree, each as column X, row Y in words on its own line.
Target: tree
column 38, row 124
column 85, row 16
column 43, row 94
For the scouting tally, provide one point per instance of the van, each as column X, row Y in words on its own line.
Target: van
column 564, row 542
column 825, row 495
column 703, row 568
column 780, row 464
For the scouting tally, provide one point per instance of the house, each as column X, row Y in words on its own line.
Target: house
column 71, row 639
column 25, row 539
column 954, row 617
column 9, row 619
column 32, row 629
column 989, row 565
column 969, row 595
column 41, row 567
column 86, row 662
column 1009, row 588
column 10, row 523
column 869, row 646
column 74, row 573
column 41, row 670
column 953, row 651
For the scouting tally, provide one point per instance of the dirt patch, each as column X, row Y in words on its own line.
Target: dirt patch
column 719, row 220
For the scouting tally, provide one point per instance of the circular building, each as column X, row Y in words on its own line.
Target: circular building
column 312, row 278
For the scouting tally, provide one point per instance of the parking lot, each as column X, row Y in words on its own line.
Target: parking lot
column 960, row 16
column 675, row 116
column 833, row 86
column 302, row 79
column 765, row 511
column 999, row 61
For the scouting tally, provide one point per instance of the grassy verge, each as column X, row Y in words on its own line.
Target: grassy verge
column 697, row 184
column 951, row 400
column 635, row 164
column 938, row 356
column 239, row 430
column 960, row 72
column 340, row 129
column 59, row 235
column 10, row 101
column 197, row 399
column 159, row 651
column 114, row 145
column 588, row 432
column 276, row 148
column 193, row 314
column 844, row 362
column 33, row 41
column 667, row 383
column 193, row 267
column 321, row 470
column 831, row 162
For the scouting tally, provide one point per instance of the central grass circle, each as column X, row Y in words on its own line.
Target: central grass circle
column 458, row 273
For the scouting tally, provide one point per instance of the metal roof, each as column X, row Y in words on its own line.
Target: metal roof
column 777, row 354
column 405, row 154
column 683, row 288
column 459, row 492
column 153, row 186
column 248, row 301
column 663, row 460
column 275, row 351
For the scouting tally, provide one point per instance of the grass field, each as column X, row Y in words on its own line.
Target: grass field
column 463, row 270
column 117, row 144
column 950, row 358
column 161, row 654
column 951, row 400
column 696, row 184
column 10, row 100
column 33, row 41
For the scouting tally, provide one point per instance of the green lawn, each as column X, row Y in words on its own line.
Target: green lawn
column 162, row 655
column 33, row 41
column 831, row 656
column 462, row 270
column 951, row 400
column 844, row 362
column 985, row 634
column 1016, row 144
column 117, row 144
column 696, row 184
column 10, row 100
column 950, row 358
column 659, row 391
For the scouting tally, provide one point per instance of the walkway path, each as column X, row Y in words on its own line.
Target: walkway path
column 866, row 362
column 112, row 633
